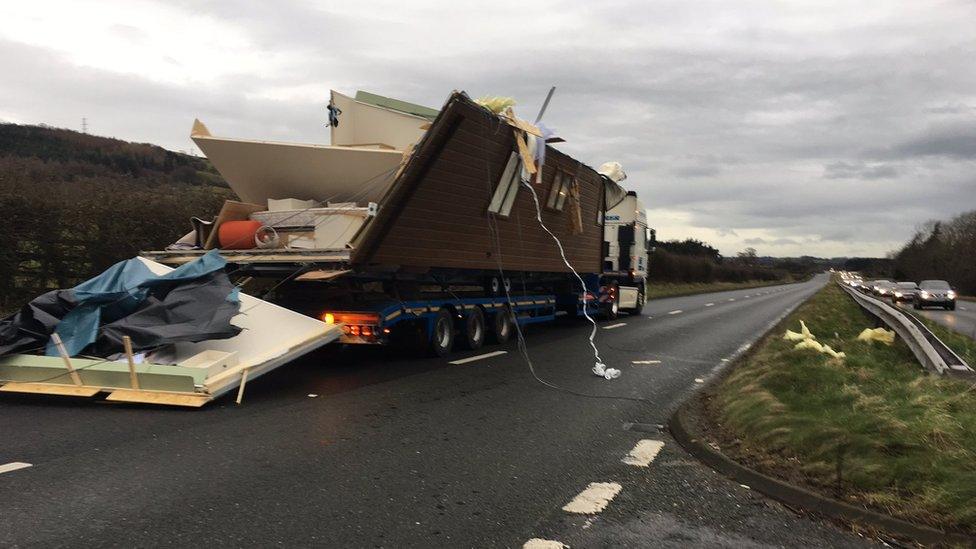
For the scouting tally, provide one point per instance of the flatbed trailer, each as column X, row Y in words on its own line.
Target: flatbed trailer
column 434, row 323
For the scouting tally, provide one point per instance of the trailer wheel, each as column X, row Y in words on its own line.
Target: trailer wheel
column 504, row 326
column 474, row 329
column 442, row 338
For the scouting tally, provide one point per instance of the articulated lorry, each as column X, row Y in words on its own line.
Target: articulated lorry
column 429, row 229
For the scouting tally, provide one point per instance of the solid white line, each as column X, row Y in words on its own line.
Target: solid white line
column 539, row 543
column 709, row 304
column 477, row 357
column 612, row 326
column 678, row 312
column 594, row 499
column 645, row 362
column 13, row 466
column 644, row 453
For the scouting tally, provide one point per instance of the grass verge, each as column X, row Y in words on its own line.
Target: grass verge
column 656, row 290
column 872, row 429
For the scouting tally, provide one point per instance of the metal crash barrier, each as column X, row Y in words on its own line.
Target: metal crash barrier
column 934, row 355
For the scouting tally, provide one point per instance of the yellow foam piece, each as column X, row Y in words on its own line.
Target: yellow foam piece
column 803, row 334
column 877, row 334
column 495, row 104
column 809, row 344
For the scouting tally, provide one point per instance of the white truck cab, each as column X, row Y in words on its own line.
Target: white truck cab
column 626, row 241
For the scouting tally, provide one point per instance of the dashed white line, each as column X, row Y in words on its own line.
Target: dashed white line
column 612, row 326
column 13, row 466
column 593, row 499
column 731, row 299
column 644, row 453
column 477, row 357
column 539, row 543
column 677, row 312
column 645, row 362
column 709, row 304
column 748, row 296
column 699, row 380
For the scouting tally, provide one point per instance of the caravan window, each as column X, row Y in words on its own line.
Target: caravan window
column 558, row 191
column 508, row 186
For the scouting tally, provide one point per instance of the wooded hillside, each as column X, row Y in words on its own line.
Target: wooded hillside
column 72, row 204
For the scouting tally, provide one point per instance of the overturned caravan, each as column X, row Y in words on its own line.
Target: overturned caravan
column 408, row 192
column 425, row 226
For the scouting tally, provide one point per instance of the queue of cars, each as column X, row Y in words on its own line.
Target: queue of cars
column 927, row 293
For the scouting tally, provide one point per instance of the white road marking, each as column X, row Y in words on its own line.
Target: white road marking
column 699, row 380
column 725, row 360
column 731, row 299
column 617, row 325
column 644, row 453
column 477, row 357
column 645, row 362
column 709, row 304
column 13, row 466
column 539, row 543
column 678, row 312
column 748, row 296
column 594, row 499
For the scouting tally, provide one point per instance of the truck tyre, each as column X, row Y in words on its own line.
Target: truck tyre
column 474, row 329
column 442, row 338
column 503, row 326
column 611, row 309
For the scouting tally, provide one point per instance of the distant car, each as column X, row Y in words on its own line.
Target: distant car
column 935, row 293
column 881, row 288
column 904, row 291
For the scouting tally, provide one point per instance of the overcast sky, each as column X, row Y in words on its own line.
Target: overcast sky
column 822, row 128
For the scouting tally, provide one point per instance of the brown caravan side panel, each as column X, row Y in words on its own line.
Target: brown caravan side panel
column 436, row 214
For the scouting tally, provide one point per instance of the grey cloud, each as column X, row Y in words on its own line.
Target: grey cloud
column 773, row 242
column 696, row 171
column 954, row 141
column 850, row 170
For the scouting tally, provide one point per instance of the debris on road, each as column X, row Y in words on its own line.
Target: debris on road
column 143, row 332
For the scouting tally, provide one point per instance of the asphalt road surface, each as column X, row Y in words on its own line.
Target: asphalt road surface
column 406, row 452
column 962, row 320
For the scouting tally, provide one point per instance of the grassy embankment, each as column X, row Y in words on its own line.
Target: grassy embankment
column 657, row 290
column 871, row 429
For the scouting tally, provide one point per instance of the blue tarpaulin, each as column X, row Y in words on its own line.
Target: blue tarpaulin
column 194, row 302
column 118, row 292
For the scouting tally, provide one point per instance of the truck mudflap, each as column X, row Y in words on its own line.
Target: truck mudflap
column 193, row 373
